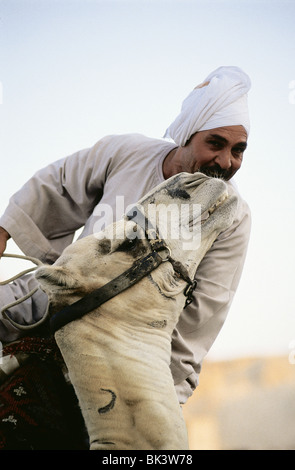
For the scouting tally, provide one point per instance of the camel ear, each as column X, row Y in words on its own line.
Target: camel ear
column 51, row 277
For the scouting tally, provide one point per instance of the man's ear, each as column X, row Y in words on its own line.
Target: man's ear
column 54, row 277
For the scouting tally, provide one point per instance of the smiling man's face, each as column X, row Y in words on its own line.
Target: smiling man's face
column 215, row 152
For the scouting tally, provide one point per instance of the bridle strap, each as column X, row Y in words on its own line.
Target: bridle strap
column 157, row 243
column 94, row 299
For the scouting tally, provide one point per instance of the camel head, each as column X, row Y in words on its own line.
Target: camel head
column 187, row 211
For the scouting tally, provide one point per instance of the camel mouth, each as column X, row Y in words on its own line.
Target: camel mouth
column 206, row 214
column 218, row 203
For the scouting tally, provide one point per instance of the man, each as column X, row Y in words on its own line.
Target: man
column 209, row 135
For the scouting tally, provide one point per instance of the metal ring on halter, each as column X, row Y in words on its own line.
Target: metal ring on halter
column 167, row 250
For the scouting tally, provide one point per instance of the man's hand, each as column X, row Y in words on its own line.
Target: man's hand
column 4, row 236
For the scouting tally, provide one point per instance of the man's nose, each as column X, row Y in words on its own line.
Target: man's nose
column 224, row 159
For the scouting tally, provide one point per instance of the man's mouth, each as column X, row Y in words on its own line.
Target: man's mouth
column 216, row 172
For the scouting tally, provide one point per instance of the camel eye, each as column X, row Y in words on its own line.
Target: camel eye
column 177, row 193
column 135, row 247
column 104, row 246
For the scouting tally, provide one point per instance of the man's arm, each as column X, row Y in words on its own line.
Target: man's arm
column 44, row 214
column 4, row 237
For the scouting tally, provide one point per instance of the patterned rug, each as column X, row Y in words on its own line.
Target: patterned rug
column 38, row 407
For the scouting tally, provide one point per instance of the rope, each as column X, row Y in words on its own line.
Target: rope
column 25, row 297
column 26, row 271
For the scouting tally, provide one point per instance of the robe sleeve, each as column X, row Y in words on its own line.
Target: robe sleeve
column 44, row 214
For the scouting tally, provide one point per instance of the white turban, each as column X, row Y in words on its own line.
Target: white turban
column 221, row 100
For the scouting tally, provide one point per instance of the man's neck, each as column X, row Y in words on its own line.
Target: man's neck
column 170, row 166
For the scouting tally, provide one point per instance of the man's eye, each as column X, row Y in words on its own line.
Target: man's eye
column 215, row 144
column 238, row 152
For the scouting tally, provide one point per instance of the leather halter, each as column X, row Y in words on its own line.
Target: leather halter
column 140, row 268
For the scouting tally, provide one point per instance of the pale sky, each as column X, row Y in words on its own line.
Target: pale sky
column 73, row 71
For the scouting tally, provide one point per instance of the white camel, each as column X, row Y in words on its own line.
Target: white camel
column 118, row 355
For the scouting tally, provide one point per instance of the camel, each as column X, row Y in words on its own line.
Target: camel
column 118, row 353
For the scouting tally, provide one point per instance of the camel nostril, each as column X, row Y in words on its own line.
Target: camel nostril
column 111, row 404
